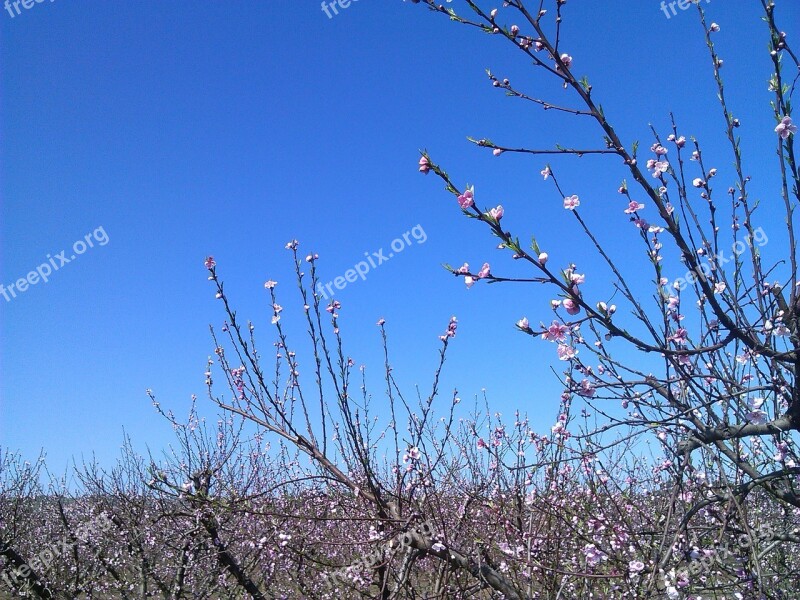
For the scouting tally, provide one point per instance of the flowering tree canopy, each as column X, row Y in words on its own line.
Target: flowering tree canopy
column 671, row 468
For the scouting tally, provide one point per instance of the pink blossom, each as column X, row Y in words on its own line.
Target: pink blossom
column 659, row 149
column 463, row 269
column 571, row 202
column 543, row 258
column 566, row 59
column 593, row 555
column 714, row 27
column 698, row 182
column 497, row 151
column 783, row 453
column 572, row 307
column 484, row 272
column 633, row 206
column 757, row 417
column 524, row 324
column 680, row 337
column 781, row 330
column 785, row 128
column 210, row 263
column 587, row 390
column 747, row 356
column 658, row 167
column 557, row 332
column 635, row 567
column 566, row 352
column 577, row 278
column 467, row 199
column 424, row 165
column 546, row 172
column 481, row 444
column 451, row 330
column 497, row 212
column 469, row 281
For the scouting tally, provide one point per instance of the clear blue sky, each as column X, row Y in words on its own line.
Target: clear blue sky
column 228, row 128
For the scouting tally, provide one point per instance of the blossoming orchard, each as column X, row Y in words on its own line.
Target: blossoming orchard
column 671, row 315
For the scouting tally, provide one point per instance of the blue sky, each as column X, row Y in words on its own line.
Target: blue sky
column 187, row 129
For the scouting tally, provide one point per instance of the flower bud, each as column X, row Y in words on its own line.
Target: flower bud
column 424, row 165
